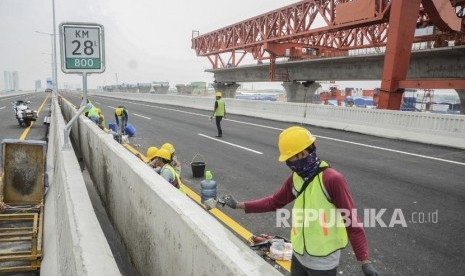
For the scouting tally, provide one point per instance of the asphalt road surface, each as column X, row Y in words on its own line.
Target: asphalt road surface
column 421, row 183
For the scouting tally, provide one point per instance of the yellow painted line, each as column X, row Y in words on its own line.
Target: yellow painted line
column 26, row 131
column 236, row 227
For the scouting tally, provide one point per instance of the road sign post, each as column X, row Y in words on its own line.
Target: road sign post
column 82, row 52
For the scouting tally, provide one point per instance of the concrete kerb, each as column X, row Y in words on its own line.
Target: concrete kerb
column 436, row 129
column 164, row 231
column 74, row 243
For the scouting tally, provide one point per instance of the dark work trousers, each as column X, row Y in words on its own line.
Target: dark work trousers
column 297, row 269
column 218, row 125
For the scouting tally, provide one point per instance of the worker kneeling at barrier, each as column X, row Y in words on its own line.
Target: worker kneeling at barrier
column 151, row 152
column 93, row 113
column 163, row 160
column 174, row 159
column 314, row 186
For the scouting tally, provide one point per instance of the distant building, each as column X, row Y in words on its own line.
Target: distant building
column 38, row 85
column 11, row 79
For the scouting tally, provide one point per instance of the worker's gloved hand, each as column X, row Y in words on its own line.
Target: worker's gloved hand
column 229, row 200
column 369, row 270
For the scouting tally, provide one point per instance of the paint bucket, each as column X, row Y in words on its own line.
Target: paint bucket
column 198, row 167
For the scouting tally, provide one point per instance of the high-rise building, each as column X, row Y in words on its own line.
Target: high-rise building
column 15, row 79
column 38, row 85
column 11, row 80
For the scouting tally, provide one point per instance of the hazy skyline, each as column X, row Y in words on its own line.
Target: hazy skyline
column 145, row 40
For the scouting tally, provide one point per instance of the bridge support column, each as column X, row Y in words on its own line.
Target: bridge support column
column 298, row 92
column 461, row 93
column 184, row 89
column 227, row 89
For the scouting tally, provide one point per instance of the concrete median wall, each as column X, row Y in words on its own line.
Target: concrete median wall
column 429, row 128
column 164, row 231
column 74, row 243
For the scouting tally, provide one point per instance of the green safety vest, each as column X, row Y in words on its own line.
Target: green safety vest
column 176, row 181
column 220, row 109
column 92, row 112
column 317, row 227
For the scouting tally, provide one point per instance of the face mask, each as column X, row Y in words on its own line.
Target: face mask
column 306, row 167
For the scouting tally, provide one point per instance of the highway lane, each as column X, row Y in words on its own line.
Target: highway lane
column 9, row 127
column 381, row 173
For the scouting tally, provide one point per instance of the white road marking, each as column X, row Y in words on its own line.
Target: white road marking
column 142, row 116
column 234, row 145
column 321, row 137
column 2, row 107
column 111, row 106
column 97, row 103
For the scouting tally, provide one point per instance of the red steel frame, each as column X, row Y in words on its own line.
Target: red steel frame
column 268, row 35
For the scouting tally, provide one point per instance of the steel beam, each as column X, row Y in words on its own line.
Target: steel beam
column 402, row 23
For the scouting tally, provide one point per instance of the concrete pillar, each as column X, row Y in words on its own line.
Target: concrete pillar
column 227, row 89
column 184, row 89
column 461, row 93
column 298, row 92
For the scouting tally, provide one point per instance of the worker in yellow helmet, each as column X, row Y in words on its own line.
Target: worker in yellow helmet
column 163, row 160
column 219, row 112
column 151, row 158
column 121, row 117
column 92, row 113
column 321, row 194
column 101, row 119
column 174, row 159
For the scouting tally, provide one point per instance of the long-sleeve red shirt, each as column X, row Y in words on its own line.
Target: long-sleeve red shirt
column 337, row 190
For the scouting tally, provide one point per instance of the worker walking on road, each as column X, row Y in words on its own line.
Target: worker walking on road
column 219, row 112
column 121, row 116
column 320, row 192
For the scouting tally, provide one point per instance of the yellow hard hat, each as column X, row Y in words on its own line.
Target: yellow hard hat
column 163, row 153
column 170, row 148
column 294, row 140
column 218, row 94
column 151, row 152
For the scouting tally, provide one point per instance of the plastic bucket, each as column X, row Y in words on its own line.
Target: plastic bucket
column 113, row 127
column 198, row 167
column 130, row 130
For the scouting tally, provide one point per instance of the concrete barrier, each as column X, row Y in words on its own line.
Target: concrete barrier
column 164, row 231
column 74, row 243
column 429, row 128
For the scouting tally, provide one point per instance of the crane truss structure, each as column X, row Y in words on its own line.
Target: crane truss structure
column 332, row 28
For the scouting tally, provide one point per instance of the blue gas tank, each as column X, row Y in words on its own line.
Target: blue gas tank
column 113, row 127
column 130, row 130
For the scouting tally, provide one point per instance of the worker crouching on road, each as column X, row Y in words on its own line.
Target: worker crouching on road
column 174, row 159
column 167, row 172
column 314, row 186
column 121, row 117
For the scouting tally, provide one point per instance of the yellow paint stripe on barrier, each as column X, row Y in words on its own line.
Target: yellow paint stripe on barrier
column 26, row 131
column 236, row 227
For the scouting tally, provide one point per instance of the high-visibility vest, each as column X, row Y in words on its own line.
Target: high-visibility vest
column 92, row 112
column 317, row 227
column 176, row 183
column 220, row 109
column 119, row 111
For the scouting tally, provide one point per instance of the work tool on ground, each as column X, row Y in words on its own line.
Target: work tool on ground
column 22, row 205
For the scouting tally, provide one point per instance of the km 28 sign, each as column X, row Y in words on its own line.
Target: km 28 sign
column 82, row 48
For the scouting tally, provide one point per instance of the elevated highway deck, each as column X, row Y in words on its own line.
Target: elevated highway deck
column 418, row 179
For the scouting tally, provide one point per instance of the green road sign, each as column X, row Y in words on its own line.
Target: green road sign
column 82, row 48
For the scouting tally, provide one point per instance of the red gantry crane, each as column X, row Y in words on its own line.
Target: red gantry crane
column 333, row 27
